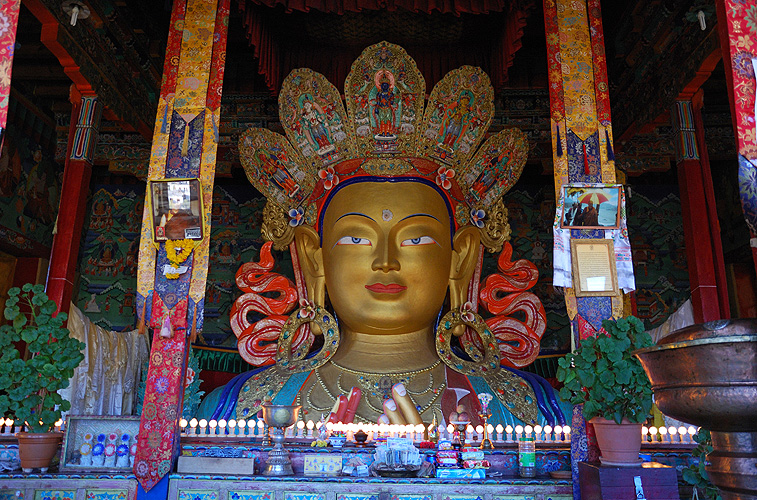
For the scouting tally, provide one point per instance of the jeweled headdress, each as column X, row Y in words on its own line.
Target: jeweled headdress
column 384, row 132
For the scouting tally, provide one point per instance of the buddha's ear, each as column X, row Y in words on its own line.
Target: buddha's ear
column 465, row 251
column 310, row 255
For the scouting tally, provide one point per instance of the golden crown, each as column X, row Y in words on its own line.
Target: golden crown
column 384, row 133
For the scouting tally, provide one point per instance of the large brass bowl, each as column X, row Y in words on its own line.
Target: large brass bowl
column 706, row 375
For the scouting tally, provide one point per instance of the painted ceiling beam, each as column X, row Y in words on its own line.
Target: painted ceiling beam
column 97, row 65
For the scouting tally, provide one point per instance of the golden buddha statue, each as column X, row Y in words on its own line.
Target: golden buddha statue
column 389, row 239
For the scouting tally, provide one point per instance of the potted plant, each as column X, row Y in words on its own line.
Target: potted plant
column 29, row 383
column 605, row 376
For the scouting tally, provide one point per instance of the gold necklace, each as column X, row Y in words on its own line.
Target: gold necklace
column 379, row 385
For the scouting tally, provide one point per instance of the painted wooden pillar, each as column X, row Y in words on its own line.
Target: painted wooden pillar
column 8, row 22
column 737, row 27
column 581, row 152
column 82, row 138
column 184, row 145
column 704, row 250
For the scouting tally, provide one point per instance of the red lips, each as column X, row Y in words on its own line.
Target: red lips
column 382, row 288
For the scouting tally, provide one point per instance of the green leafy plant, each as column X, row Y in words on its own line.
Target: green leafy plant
column 604, row 375
column 695, row 474
column 28, row 384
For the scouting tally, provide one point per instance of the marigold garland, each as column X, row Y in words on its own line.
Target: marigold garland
column 177, row 252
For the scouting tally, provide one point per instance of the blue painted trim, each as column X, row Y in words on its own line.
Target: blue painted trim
column 373, row 178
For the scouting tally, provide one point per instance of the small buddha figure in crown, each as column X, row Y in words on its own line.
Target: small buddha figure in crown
column 387, row 255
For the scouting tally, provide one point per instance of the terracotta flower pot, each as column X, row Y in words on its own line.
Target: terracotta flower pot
column 37, row 449
column 619, row 444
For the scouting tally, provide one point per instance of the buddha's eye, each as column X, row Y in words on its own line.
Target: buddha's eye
column 422, row 240
column 352, row 240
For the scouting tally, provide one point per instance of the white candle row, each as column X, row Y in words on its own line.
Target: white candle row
column 311, row 430
column 9, row 426
column 668, row 435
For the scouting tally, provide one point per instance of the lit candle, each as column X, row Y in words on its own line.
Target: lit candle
column 558, row 433
column 469, row 432
column 233, row 427
column 183, row 424
column 653, row 433
column 672, row 431
column 644, row 433
column 537, row 432
column 528, row 430
column 499, row 430
column 259, row 424
column 222, row 426
column 192, row 427
column 663, row 434
column 692, row 430
column 310, row 425
column 213, row 425
column 479, row 432
column 301, row 429
column 203, row 426
column 566, row 431
column 58, row 425
column 682, row 434
column 242, row 427
column 547, row 433
column 509, row 431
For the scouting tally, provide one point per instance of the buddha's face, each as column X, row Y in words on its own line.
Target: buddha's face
column 386, row 256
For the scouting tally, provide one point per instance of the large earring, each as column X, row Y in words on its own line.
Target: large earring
column 482, row 363
column 307, row 313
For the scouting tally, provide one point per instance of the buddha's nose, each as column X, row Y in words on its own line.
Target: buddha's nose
column 385, row 259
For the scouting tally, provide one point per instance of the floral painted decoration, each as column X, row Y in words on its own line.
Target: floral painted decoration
column 296, row 216
column 443, row 176
column 477, row 217
column 329, row 176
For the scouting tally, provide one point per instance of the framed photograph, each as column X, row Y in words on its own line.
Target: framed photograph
column 176, row 209
column 99, row 443
column 594, row 272
column 595, row 207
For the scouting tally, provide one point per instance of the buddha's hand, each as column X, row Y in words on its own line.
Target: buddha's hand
column 400, row 409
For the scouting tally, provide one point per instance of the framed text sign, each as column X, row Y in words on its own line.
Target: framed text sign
column 594, row 272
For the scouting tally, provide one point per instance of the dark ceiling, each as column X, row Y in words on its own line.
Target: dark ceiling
column 631, row 41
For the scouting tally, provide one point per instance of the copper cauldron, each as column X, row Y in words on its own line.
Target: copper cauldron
column 706, row 375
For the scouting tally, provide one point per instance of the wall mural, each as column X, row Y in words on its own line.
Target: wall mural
column 29, row 191
column 659, row 253
column 108, row 256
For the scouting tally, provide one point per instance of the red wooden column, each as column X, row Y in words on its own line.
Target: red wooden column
column 82, row 136
column 701, row 229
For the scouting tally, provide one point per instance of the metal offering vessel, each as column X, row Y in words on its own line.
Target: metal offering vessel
column 706, row 375
column 279, row 417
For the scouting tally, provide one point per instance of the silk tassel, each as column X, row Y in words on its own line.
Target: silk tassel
column 586, row 161
column 610, row 154
column 185, row 143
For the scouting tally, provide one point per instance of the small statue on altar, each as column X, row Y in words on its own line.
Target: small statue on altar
column 387, row 254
